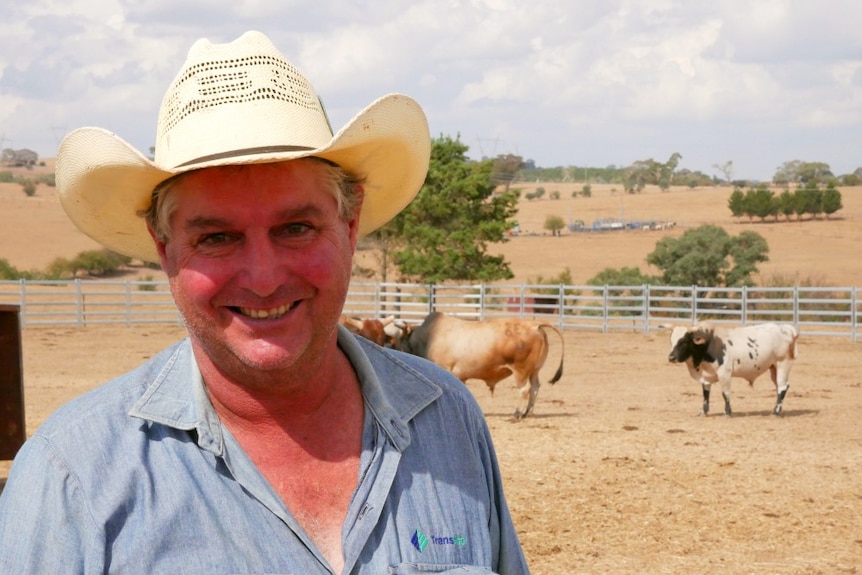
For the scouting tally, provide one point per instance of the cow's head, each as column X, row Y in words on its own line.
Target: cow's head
column 401, row 333
column 691, row 343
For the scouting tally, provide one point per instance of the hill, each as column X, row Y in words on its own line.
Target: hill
column 35, row 230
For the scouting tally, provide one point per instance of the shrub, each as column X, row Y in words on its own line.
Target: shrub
column 563, row 278
column 554, row 224
column 10, row 272
column 146, row 286
column 29, row 186
column 47, row 179
column 92, row 262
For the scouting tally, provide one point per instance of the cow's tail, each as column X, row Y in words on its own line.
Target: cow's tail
column 791, row 334
column 559, row 372
column 793, row 351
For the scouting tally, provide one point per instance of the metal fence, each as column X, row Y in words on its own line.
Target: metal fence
column 821, row 311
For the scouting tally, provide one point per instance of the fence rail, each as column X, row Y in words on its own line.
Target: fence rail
column 821, row 311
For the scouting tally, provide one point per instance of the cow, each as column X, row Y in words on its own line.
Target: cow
column 372, row 329
column 489, row 350
column 714, row 354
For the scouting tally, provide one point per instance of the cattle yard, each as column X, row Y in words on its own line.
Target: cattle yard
column 614, row 472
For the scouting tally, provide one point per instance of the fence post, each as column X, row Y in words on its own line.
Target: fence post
column 694, row 304
column 22, row 298
column 605, row 301
column 378, row 302
column 128, row 303
column 744, row 305
column 432, row 296
column 80, row 311
column 561, row 307
column 645, row 297
column 796, row 304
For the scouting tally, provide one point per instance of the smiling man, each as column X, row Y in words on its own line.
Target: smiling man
column 271, row 440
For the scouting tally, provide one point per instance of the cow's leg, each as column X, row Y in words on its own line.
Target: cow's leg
column 725, row 393
column 705, row 410
column 726, row 396
column 780, row 377
column 529, row 390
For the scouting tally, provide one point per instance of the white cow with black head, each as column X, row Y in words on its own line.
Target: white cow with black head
column 716, row 354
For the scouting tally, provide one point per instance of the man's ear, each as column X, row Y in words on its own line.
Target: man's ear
column 353, row 223
column 160, row 247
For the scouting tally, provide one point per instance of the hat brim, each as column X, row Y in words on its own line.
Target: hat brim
column 103, row 182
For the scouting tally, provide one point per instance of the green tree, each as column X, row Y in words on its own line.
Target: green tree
column 736, row 203
column 554, row 224
column 814, row 172
column 760, row 202
column 787, row 173
column 666, row 171
column 797, row 171
column 746, row 250
column 831, row 201
column 505, row 168
column 786, row 203
column 709, row 256
column 809, row 200
column 639, row 174
column 444, row 233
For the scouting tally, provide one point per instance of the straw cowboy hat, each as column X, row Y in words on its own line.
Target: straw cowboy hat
column 239, row 103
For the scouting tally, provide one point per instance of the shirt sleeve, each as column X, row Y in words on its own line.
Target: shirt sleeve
column 45, row 526
column 508, row 556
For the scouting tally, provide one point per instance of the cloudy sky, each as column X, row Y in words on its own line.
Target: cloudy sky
column 562, row 82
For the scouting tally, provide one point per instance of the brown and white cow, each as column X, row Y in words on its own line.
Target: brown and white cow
column 716, row 354
column 489, row 350
column 373, row 329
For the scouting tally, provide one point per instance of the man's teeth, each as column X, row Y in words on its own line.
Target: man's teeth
column 272, row 313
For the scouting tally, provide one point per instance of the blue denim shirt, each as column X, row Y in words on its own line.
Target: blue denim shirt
column 139, row 476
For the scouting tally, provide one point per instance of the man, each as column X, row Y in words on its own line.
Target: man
column 271, row 440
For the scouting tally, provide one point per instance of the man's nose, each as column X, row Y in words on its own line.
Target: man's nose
column 262, row 268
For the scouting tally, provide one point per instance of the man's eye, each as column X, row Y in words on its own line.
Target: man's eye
column 295, row 229
column 213, row 239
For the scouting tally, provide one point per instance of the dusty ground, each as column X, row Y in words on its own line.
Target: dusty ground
column 615, row 473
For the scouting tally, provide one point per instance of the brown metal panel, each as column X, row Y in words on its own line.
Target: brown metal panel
column 12, row 432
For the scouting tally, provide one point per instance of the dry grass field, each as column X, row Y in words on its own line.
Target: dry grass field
column 615, row 473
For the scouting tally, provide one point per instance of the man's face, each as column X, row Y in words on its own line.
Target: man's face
column 259, row 264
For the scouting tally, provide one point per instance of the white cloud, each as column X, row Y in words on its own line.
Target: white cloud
column 597, row 80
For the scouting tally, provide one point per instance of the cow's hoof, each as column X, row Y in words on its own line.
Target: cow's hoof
column 777, row 410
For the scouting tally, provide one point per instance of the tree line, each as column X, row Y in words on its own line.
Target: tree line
column 634, row 177
column 809, row 200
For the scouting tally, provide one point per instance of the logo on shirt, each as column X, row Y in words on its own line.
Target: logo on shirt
column 420, row 541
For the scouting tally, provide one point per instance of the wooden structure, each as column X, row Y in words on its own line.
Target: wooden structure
column 12, row 430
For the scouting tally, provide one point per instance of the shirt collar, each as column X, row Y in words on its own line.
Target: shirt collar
column 171, row 401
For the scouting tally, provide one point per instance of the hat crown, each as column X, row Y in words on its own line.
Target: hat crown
column 235, row 99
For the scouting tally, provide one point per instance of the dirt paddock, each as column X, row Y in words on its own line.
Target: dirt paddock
column 615, row 472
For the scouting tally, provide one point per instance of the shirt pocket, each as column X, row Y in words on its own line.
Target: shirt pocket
column 420, row 568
